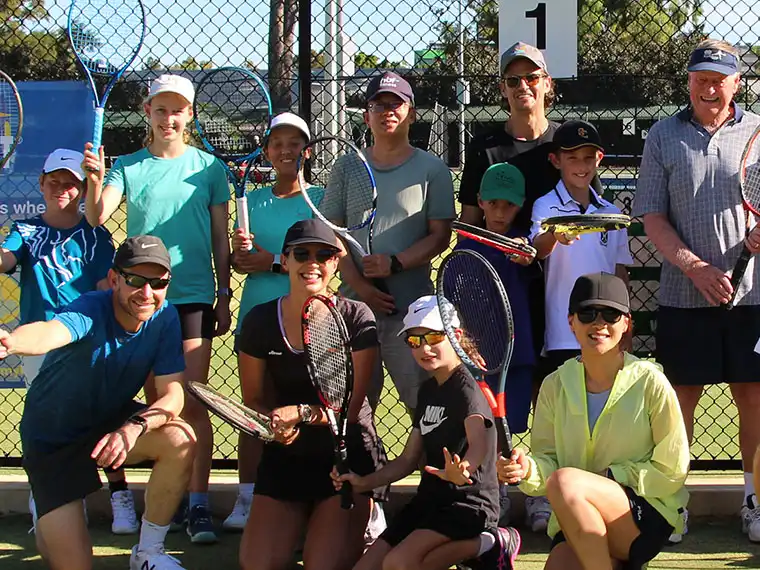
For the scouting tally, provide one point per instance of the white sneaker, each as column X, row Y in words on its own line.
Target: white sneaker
column 239, row 516
column 124, row 516
column 751, row 518
column 676, row 538
column 537, row 513
column 505, row 504
column 154, row 559
column 376, row 524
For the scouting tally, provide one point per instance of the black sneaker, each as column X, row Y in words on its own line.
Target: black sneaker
column 180, row 517
column 200, row 527
column 502, row 555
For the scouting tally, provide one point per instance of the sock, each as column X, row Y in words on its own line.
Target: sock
column 246, row 490
column 116, row 486
column 749, row 485
column 198, row 499
column 152, row 536
column 487, row 540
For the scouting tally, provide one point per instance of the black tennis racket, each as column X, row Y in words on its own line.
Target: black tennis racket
column 328, row 359
column 232, row 107
column 472, row 286
column 106, row 36
column 232, row 412
column 749, row 183
column 11, row 118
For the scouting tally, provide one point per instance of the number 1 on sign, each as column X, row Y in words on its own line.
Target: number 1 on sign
column 539, row 13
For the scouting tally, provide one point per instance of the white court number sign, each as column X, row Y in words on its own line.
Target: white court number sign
column 550, row 25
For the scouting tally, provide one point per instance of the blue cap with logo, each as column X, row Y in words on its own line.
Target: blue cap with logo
column 713, row 59
column 390, row 82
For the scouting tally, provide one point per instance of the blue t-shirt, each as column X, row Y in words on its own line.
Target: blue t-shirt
column 516, row 280
column 170, row 198
column 270, row 218
column 84, row 384
column 57, row 266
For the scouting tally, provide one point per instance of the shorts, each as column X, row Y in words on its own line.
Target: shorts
column 456, row 522
column 552, row 360
column 69, row 473
column 396, row 356
column 197, row 320
column 31, row 366
column 297, row 474
column 704, row 346
column 655, row 532
column 519, row 391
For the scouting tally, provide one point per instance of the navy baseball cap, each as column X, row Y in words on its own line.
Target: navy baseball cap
column 600, row 290
column 309, row 231
column 390, row 82
column 713, row 59
column 142, row 249
column 576, row 134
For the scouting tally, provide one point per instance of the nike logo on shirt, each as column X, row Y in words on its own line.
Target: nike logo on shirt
column 432, row 418
column 426, row 428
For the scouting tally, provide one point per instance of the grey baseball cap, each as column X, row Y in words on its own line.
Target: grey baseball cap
column 525, row 51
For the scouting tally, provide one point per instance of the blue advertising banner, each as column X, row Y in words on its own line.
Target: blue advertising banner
column 57, row 114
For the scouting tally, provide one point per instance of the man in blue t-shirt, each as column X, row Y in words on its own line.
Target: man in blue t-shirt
column 81, row 413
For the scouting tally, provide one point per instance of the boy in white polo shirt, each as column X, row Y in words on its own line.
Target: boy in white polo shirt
column 577, row 153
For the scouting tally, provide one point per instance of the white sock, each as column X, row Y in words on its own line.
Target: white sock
column 151, row 535
column 749, row 485
column 246, row 490
column 487, row 540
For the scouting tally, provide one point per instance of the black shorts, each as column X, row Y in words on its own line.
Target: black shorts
column 69, row 473
column 197, row 320
column 456, row 522
column 655, row 532
column 553, row 360
column 685, row 338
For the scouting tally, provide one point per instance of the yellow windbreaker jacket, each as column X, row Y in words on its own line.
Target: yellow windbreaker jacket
column 640, row 435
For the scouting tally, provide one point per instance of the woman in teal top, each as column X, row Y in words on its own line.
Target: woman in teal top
column 180, row 194
column 271, row 211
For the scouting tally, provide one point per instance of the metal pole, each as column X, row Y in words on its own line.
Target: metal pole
column 461, row 85
column 304, row 60
column 331, row 68
column 341, row 116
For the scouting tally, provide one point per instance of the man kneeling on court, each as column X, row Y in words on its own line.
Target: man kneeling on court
column 80, row 413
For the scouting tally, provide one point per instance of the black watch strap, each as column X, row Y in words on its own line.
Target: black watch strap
column 396, row 266
column 137, row 419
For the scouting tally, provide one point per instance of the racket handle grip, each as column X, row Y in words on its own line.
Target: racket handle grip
column 97, row 129
column 347, row 490
column 738, row 274
column 241, row 205
column 505, row 439
column 382, row 286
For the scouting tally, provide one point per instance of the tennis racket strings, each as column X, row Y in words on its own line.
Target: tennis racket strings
column 325, row 342
column 10, row 116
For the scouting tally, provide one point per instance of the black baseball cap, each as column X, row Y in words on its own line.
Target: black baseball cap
column 309, row 231
column 142, row 249
column 390, row 82
column 600, row 290
column 576, row 134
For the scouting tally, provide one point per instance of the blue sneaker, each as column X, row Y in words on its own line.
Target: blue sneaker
column 180, row 517
column 200, row 527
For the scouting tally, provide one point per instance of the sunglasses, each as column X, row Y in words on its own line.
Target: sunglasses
column 138, row 281
column 430, row 338
column 589, row 314
column 531, row 79
column 302, row 255
column 377, row 107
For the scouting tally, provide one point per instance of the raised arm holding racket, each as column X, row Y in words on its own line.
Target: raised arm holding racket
column 12, row 115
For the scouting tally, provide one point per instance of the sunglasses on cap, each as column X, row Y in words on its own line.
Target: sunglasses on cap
column 531, row 79
column 303, row 254
column 430, row 338
column 138, row 281
column 588, row 315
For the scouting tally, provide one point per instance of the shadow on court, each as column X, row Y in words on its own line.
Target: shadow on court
column 711, row 543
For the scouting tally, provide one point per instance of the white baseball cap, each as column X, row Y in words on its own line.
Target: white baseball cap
column 172, row 84
column 65, row 159
column 425, row 313
column 290, row 120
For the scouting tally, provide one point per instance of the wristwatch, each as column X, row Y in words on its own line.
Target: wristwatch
column 276, row 266
column 306, row 413
column 226, row 291
column 396, row 266
column 137, row 419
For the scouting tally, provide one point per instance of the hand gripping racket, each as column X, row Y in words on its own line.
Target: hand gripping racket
column 11, row 118
column 328, row 359
column 512, row 247
column 106, row 36
column 749, row 183
column 234, row 413
column 232, row 107
column 576, row 225
column 472, row 286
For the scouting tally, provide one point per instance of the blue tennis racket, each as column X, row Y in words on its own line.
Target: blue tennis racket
column 232, row 111
column 106, row 36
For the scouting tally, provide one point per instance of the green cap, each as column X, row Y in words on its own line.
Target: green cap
column 503, row 182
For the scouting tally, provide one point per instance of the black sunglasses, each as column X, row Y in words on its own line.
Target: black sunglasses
column 302, row 254
column 531, row 79
column 588, row 315
column 377, row 107
column 138, row 281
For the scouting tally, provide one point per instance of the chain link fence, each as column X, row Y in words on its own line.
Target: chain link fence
column 317, row 59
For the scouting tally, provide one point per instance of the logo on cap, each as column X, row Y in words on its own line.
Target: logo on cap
column 715, row 55
column 388, row 81
column 582, row 133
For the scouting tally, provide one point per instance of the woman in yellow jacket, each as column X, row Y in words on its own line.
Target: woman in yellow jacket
column 609, row 446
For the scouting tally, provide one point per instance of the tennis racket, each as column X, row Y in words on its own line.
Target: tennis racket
column 232, row 106
column 349, row 203
column 512, row 247
column 328, row 359
column 576, row 225
column 749, row 183
column 106, row 36
column 12, row 115
column 473, row 288
column 234, row 413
